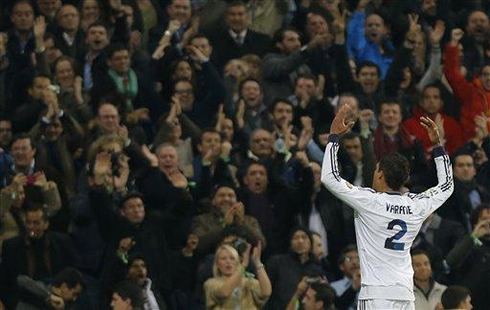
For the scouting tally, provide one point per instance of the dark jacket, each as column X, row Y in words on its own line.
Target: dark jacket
column 18, row 258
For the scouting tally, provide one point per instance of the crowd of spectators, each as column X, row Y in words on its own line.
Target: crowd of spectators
column 166, row 154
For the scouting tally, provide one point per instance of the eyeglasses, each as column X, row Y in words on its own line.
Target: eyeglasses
column 351, row 258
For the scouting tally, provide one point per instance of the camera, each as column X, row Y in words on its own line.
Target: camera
column 240, row 245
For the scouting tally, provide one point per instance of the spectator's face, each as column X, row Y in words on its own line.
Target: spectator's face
column 227, row 130
column 224, row 199
column 23, row 153
column 317, row 250
column 108, row 118
column 35, row 224
column 185, row 92
column 5, row 133
column 70, row 295
column 353, row 148
column 431, row 101
column 168, row 159
column 183, row 70
column 68, row 18
column 210, row 142
column 390, row 115
column 134, row 210
column 49, row 7
column 137, row 272
column 22, row 17
column 52, row 52
column 261, row 143
column 90, row 10
column 290, row 42
column 118, row 303
column 256, row 179
column 97, row 38
column 180, row 10
column 350, row 263
column 64, row 74
column 203, row 45
column 309, row 300
column 54, row 130
column 477, row 26
column 464, row 168
column 369, row 79
column 120, row 61
column 226, row 262
column 429, row 7
column 300, row 243
column 315, row 25
column 485, row 77
column 375, row 28
column 304, row 87
column 252, row 94
column 421, row 268
column 237, row 18
column 282, row 114
column 39, row 85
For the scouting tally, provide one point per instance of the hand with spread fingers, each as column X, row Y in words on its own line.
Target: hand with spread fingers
column 431, row 130
column 340, row 125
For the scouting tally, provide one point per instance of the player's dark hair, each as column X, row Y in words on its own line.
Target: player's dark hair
column 129, row 290
column 396, row 170
column 324, row 293
column 453, row 296
column 69, row 276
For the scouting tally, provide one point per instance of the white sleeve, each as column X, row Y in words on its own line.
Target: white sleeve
column 435, row 196
column 356, row 197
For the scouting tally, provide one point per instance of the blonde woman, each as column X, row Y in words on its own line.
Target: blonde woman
column 233, row 288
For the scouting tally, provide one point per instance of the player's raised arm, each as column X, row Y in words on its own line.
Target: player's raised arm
column 434, row 197
column 354, row 196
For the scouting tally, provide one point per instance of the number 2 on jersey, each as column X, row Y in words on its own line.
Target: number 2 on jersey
column 397, row 246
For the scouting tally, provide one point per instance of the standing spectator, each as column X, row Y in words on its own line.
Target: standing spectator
column 472, row 95
column 427, row 291
column 237, row 39
column 37, row 253
column 230, row 286
column 70, row 36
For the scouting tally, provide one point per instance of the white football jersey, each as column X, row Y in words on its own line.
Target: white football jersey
column 386, row 225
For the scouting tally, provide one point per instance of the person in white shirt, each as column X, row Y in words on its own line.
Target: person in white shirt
column 427, row 291
column 386, row 220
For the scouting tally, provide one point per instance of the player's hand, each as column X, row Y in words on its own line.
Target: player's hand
column 432, row 130
column 340, row 125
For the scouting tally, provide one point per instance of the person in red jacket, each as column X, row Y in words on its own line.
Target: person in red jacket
column 449, row 128
column 474, row 96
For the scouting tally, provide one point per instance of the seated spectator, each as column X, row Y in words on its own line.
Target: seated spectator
column 287, row 270
column 456, row 297
column 126, row 295
column 64, row 291
column 229, row 277
column 37, row 253
column 225, row 209
column 431, row 106
column 427, row 291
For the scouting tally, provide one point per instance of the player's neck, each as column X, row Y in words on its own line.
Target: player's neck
column 383, row 188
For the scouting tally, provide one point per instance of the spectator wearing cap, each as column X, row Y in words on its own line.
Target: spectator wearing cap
column 226, row 211
column 287, row 270
column 237, row 39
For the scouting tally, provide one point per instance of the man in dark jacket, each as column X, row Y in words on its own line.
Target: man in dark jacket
column 37, row 253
